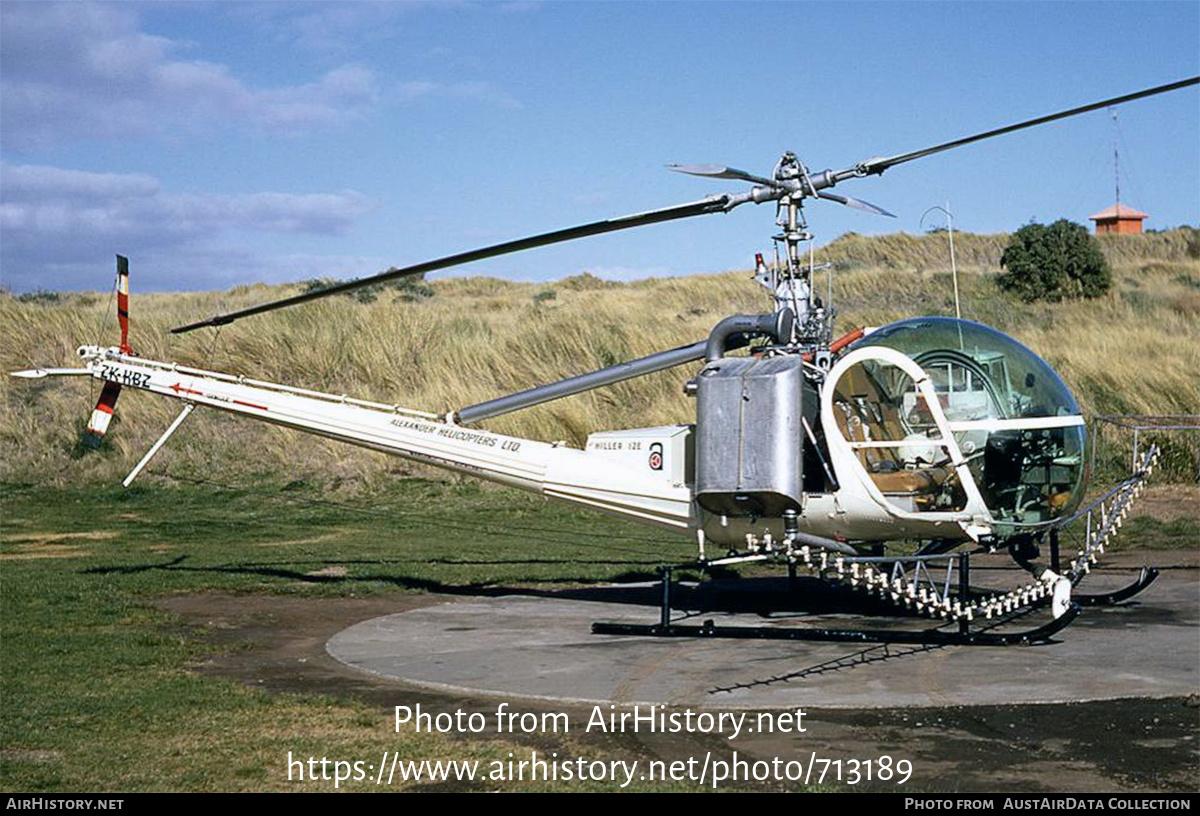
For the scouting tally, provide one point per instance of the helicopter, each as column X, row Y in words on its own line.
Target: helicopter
column 822, row 452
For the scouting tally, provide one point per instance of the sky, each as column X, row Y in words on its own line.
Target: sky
column 219, row 144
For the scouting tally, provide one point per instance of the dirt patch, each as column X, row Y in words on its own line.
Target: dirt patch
column 1169, row 502
column 44, row 538
column 33, row 546
column 329, row 572
column 30, row 755
column 31, row 552
column 299, row 542
column 1139, row 745
column 279, row 641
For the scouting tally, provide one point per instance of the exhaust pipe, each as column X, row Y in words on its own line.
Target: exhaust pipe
column 777, row 325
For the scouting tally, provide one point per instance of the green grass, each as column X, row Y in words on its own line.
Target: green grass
column 99, row 687
column 415, row 534
column 1147, row 533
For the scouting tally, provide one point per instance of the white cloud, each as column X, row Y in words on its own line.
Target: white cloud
column 328, row 27
column 344, row 27
column 55, row 223
column 31, row 183
column 479, row 91
column 73, row 69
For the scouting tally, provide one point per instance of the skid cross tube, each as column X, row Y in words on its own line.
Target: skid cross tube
column 964, row 636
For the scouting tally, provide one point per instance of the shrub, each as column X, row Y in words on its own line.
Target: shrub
column 1054, row 262
column 40, row 296
column 410, row 289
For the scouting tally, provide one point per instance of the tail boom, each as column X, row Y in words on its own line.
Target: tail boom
column 556, row 471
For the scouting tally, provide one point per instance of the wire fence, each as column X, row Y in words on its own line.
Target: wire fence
column 1118, row 439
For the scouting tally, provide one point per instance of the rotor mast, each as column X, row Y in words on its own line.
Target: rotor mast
column 791, row 280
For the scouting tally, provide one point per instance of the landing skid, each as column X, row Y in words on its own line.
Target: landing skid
column 1144, row 579
column 964, row 636
column 931, row 637
column 908, row 582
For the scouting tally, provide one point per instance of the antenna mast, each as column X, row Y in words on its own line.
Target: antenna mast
column 1116, row 160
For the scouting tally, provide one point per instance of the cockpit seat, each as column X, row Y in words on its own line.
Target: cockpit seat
column 911, row 482
column 863, row 414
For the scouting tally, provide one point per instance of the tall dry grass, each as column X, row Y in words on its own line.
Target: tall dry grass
column 1135, row 351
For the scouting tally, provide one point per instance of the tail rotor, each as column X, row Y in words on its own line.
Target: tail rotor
column 102, row 415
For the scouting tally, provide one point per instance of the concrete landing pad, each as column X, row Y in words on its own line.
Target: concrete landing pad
column 542, row 647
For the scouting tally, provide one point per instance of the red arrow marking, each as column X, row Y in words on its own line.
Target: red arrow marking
column 177, row 387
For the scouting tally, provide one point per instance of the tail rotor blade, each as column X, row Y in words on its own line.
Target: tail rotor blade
column 123, row 302
column 102, row 416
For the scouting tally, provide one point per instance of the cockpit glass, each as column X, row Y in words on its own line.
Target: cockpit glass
column 1015, row 422
column 961, row 356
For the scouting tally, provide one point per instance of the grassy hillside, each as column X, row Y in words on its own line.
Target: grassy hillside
column 460, row 341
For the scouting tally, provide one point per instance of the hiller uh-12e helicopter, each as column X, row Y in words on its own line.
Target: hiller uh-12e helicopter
column 810, row 450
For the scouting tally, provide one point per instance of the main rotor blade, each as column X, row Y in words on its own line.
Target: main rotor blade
column 711, row 204
column 721, row 172
column 856, row 203
column 873, row 167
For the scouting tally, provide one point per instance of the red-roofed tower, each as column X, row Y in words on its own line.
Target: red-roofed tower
column 1118, row 220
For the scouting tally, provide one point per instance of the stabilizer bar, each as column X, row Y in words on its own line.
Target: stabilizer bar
column 584, row 382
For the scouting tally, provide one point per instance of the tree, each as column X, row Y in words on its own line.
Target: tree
column 1054, row 262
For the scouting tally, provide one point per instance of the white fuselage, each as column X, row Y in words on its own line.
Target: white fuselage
column 645, row 474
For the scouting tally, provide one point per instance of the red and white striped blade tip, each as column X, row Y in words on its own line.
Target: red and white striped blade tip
column 102, row 416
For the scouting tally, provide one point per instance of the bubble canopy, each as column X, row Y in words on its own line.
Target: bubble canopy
column 1020, row 382
column 1012, row 416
